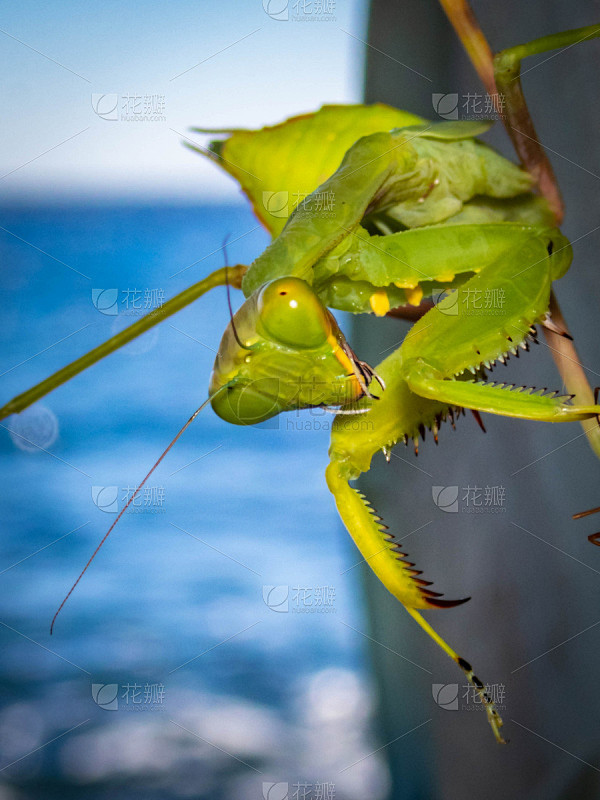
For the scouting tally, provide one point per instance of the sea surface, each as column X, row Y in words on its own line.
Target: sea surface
column 215, row 647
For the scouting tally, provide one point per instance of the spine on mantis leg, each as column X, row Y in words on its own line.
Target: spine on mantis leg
column 383, row 554
column 378, row 546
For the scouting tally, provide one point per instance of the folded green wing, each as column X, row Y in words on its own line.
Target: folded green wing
column 280, row 165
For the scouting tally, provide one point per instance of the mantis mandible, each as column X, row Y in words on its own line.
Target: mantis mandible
column 420, row 209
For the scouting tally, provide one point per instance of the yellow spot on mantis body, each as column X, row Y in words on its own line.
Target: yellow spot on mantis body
column 414, row 296
column 379, row 302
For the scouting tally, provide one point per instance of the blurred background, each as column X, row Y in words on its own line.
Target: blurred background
column 226, row 643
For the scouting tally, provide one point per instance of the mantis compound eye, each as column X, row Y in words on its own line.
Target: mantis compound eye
column 292, row 314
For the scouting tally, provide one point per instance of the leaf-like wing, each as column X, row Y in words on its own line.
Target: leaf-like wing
column 278, row 166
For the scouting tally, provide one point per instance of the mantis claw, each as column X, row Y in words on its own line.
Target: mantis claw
column 363, row 372
column 494, row 719
column 477, row 416
column 548, row 323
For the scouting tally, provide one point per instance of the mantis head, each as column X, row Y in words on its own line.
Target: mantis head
column 283, row 350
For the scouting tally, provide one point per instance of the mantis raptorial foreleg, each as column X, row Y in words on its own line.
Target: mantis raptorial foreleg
column 508, row 401
column 375, row 273
column 386, row 558
column 425, row 380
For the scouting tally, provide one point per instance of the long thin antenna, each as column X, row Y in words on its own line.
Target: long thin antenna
column 235, row 333
column 129, row 502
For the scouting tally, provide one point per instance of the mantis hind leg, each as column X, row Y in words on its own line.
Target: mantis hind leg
column 383, row 554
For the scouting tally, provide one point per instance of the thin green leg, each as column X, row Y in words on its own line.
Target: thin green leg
column 219, row 277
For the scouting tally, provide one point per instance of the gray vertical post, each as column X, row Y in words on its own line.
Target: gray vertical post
column 532, row 574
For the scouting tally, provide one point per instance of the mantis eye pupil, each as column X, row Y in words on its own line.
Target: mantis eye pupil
column 282, row 293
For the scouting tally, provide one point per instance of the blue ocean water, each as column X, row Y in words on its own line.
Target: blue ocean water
column 211, row 650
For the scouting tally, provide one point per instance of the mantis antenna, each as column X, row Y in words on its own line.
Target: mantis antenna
column 164, row 453
column 130, row 501
column 233, row 328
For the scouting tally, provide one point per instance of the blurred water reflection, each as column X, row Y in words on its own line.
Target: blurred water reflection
column 168, row 674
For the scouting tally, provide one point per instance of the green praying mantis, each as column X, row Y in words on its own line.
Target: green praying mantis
column 415, row 209
column 441, row 366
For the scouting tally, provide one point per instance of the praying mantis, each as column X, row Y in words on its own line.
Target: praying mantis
column 441, row 366
column 415, row 210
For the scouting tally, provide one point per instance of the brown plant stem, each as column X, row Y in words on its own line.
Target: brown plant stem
column 500, row 76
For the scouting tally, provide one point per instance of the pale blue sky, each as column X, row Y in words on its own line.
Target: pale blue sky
column 255, row 70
